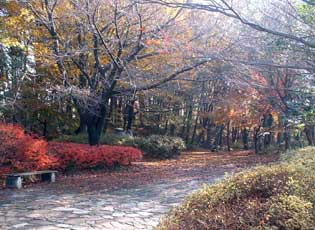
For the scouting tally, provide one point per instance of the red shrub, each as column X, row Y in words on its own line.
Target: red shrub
column 20, row 151
column 82, row 156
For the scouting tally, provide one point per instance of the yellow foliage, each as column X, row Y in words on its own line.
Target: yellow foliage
column 17, row 24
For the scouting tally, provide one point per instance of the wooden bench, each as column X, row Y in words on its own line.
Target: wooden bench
column 15, row 180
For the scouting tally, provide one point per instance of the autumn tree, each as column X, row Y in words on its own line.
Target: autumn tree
column 102, row 50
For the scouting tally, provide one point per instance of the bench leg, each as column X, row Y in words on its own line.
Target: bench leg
column 14, row 182
column 50, row 177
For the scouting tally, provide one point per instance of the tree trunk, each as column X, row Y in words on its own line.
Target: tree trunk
column 201, row 137
column 234, row 134
column 245, row 138
column 111, row 113
column 95, row 123
column 218, row 137
column 130, row 114
column 228, row 136
column 94, row 133
column 209, row 136
column 45, row 129
column 172, row 129
column 287, row 137
column 195, row 130
column 141, row 105
column 166, row 127
column 120, row 111
column 310, row 134
column 83, row 125
column 188, row 124
column 256, row 139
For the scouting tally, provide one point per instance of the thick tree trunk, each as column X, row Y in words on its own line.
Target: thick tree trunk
column 94, row 133
column 83, row 126
column 267, row 139
column 95, row 122
column 172, row 129
column 310, row 134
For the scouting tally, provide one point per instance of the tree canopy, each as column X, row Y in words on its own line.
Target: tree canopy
column 217, row 73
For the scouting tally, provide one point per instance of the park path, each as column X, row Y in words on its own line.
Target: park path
column 81, row 206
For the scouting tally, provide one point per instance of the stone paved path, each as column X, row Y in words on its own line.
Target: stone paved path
column 128, row 209
column 87, row 204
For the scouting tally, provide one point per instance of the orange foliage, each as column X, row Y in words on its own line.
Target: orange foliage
column 20, row 151
column 82, row 156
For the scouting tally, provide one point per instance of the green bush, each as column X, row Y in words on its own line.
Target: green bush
column 237, row 145
column 161, row 147
column 115, row 139
column 106, row 139
column 281, row 196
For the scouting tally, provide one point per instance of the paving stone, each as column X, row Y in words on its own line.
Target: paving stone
column 48, row 227
column 64, row 226
column 75, row 221
column 94, row 218
column 90, row 222
column 107, row 217
column 11, row 214
column 107, row 225
column 108, row 208
column 80, row 228
column 145, row 214
column 133, row 215
column 126, row 220
column 120, row 226
column 34, row 215
column 10, row 219
column 118, row 214
column 81, row 212
column 21, row 225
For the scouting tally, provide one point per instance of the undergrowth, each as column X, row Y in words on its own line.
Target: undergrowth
column 276, row 197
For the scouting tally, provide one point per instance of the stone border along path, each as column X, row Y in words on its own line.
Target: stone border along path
column 124, row 209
